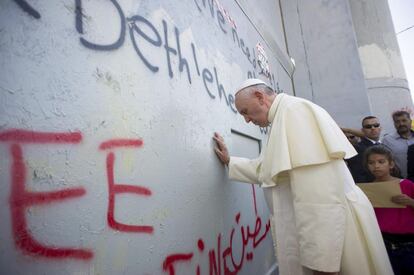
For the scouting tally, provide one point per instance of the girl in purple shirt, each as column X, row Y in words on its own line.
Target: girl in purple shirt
column 396, row 224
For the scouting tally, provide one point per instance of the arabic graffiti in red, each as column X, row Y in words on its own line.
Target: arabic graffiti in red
column 222, row 262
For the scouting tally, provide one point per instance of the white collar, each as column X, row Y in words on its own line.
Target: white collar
column 272, row 111
column 373, row 141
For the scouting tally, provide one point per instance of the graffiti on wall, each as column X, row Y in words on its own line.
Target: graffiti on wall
column 141, row 30
column 221, row 257
column 27, row 8
column 21, row 199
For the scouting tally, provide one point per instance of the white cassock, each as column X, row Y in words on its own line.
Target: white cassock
column 322, row 220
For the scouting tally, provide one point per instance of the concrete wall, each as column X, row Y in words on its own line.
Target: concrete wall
column 321, row 39
column 106, row 116
column 347, row 58
column 387, row 85
column 107, row 109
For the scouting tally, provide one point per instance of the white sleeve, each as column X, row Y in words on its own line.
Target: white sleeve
column 243, row 169
column 320, row 215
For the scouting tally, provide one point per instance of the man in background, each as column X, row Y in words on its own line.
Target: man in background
column 399, row 141
column 371, row 129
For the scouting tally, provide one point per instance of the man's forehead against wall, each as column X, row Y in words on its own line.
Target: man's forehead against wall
column 253, row 100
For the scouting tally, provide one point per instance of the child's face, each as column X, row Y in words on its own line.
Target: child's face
column 379, row 166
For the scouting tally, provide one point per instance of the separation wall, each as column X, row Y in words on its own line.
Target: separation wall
column 106, row 116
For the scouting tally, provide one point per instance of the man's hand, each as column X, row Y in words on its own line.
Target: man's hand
column 353, row 131
column 221, row 149
column 403, row 200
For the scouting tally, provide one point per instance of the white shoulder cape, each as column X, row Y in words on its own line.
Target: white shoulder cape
column 290, row 143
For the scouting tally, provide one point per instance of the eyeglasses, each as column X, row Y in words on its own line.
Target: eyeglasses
column 370, row 126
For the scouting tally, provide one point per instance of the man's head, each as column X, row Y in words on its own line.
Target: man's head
column 402, row 122
column 371, row 127
column 253, row 101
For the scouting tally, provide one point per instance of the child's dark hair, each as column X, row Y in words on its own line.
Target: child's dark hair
column 385, row 151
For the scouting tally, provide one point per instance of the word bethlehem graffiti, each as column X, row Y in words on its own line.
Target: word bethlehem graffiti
column 221, row 258
column 142, row 31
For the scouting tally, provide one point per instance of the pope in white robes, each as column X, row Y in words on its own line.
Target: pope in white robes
column 323, row 223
